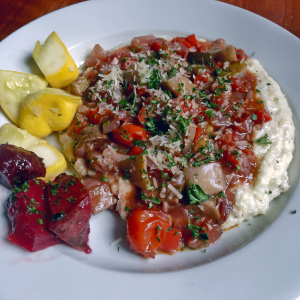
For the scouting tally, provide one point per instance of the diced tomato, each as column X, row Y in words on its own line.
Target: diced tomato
column 129, row 132
column 203, row 46
column 144, row 114
column 199, row 132
column 192, row 40
column 240, row 54
column 95, row 117
column 77, row 126
column 146, row 231
column 187, row 44
column 178, row 40
column 127, row 62
column 244, row 84
column 80, row 125
column 183, row 51
column 263, row 116
column 140, row 91
column 246, row 125
column 136, row 150
column 172, row 241
column 130, row 89
column 156, row 45
column 231, row 158
column 201, row 78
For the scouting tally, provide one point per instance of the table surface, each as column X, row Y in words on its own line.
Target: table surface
column 15, row 14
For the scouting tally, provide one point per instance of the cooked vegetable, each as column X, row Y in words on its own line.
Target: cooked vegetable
column 226, row 54
column 71, row 210
column 55, row 61
column 14, row 86
column 29, row 213
column 100, row 194
column 235, row 70
column 48, row 110
column 210, row 209
column 209, row 177
column 179, row 85
column 146, row 231
column 54, row 161
column 196, row 195
column 18, row 165
column 136, row 167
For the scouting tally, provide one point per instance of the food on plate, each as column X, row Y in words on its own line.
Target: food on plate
column 71, row 210
column 43, row 214
column 53, row 160
column 18, row 165
column 14, row 86
column 48, row 110
column 190, row 137
column 29, row 213
column 55, row 61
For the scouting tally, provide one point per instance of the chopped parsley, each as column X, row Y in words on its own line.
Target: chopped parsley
column 263, row 140
column 196, row 195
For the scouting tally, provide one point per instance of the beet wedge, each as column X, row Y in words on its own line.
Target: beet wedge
column 18, row 165
column 29, row 212
column 71, row 210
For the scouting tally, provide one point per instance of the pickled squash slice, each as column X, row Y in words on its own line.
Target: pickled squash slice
column 14, row 86
column 55, row 61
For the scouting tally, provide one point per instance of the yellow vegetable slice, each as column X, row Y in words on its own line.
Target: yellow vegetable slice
column 55, row 61
column 14, row 86
column 48, row 110
column 54, row 161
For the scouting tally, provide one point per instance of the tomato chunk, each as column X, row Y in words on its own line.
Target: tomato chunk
column 136, row 150
column 129, row 132
column 146, row 231
column 192, row 40
column 172, row 241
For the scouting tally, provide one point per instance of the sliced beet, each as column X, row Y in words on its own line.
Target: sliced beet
column 18, row 165
column 29, row 212
column 71, row 210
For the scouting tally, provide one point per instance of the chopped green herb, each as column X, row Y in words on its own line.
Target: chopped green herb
column 263, row 140
column 196, row 195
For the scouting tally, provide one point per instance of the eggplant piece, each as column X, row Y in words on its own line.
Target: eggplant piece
column 235, row 70
column 18, row 165
column 131, row 76
column 136, row 168
column 179, row 85
column 200, row 57
column 226, row 54
column 209, row 177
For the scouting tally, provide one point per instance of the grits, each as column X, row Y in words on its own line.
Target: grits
column 272, row 178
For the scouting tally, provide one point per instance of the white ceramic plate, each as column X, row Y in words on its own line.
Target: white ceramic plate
column 267, row 263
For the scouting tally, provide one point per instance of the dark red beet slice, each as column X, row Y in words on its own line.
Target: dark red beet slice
column 71, row 210
column 18, row 165
column 29, row 212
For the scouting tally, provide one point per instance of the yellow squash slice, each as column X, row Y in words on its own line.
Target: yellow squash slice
column 54, row 161
column 14, row 86
column 55, row 61
column 48, row 110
